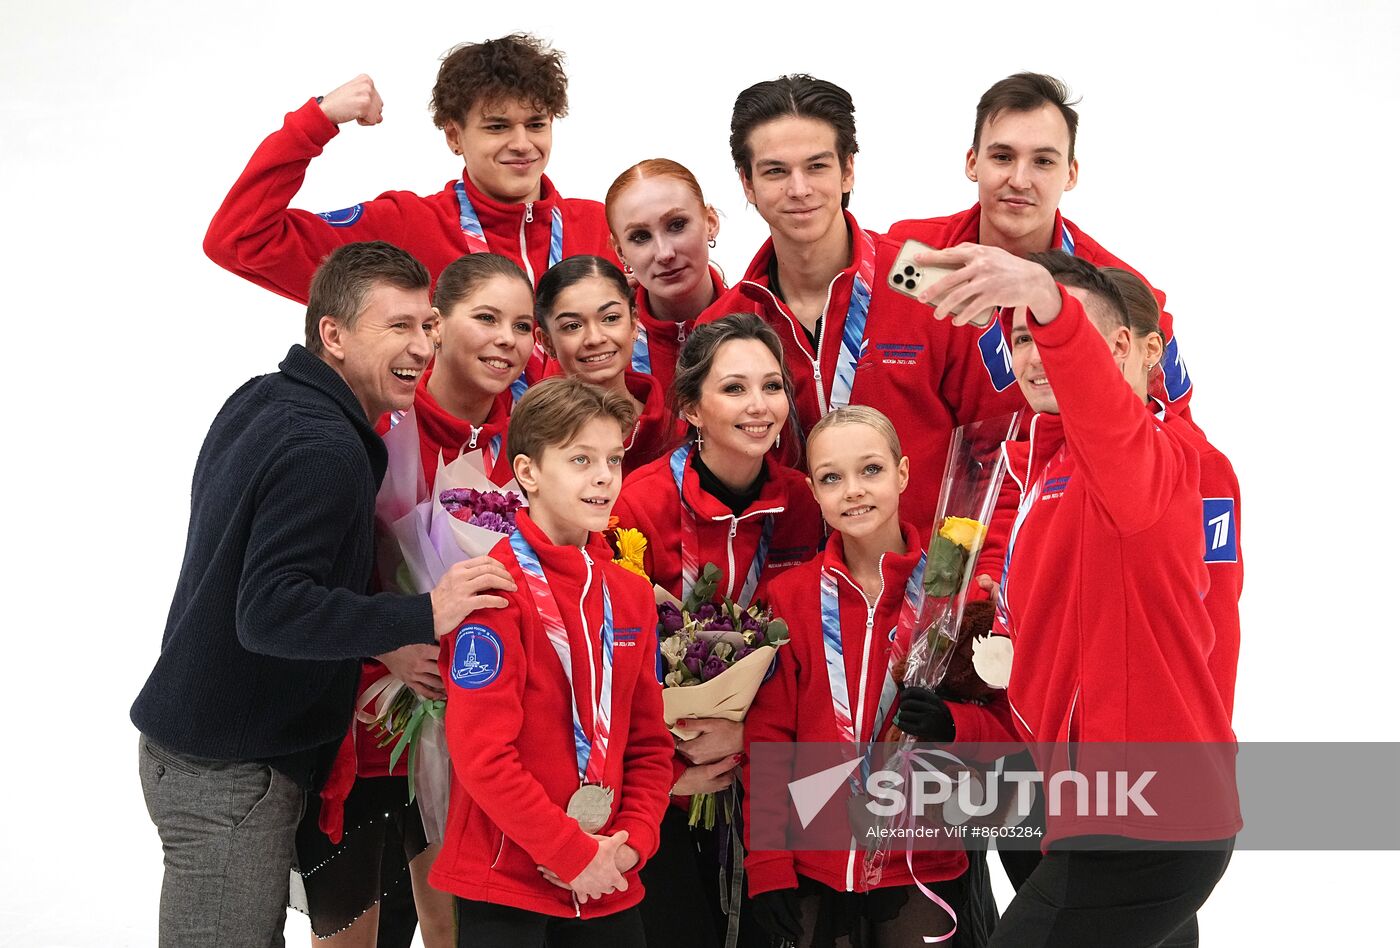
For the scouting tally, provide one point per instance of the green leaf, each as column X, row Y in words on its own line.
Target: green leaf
column 944, row 571
column 777, row 632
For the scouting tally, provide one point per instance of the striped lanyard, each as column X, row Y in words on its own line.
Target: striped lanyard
column 899, row 637
column 853, row 340
column 475, row 236
column 690, row 538
column 641, row 351
column 1028, row 499
column 592, row 755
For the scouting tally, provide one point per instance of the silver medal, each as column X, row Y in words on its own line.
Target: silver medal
column 591, row 805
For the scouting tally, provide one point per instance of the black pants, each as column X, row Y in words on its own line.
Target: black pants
column 1136, row 895
column 487, row 925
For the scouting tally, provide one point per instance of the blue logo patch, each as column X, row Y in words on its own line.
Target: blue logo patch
column 996, row 356
column 343, row 217
column 1054, row 487
column 626, row 638
column 1174, row 374
column 476, row 657
column 1222, row 535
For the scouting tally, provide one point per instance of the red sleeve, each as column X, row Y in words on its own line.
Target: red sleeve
column 988, row 723
column 257, row 236
column 966, row 386
column 483, row 734
column 992, row 557
column 771, row 719
column 647, row 764
column 1133, row 468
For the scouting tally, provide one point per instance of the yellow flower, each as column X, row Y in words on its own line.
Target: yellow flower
column 966, row 533
column 631, row 549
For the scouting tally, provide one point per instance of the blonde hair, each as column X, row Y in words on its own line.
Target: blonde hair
column 551, row 412
column 859, row 415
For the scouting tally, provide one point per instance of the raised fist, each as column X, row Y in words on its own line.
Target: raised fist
column 357, row 99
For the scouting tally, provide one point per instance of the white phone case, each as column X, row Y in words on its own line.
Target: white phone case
column 911, row 279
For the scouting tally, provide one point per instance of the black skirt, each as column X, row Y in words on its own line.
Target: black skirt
column 383, row 833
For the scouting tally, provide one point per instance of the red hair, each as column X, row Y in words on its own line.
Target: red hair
column 651, row 168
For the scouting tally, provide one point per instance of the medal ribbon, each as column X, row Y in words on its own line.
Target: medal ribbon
column 1028, row 499
column 690, row 538
column 641, row 351
column 899, row 637
column 475, row 237
column 592, row 755
column 853, row 341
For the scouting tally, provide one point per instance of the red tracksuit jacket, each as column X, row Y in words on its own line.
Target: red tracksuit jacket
column 1174, row 385
column 513, row 772
column 1106, row 576
column 796, row 705
column 257, row 236
column 1220, row 498
column 657, row 427
column 663, row 339
column 651, row 504
column 927, row 377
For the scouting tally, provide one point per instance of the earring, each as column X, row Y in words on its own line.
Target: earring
column 1151, row 366
column 778, row 441
column 437, row 346
column 627, row 270
column 711, row 242
column 699, row 440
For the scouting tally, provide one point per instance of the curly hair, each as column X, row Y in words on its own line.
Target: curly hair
column 518, row 66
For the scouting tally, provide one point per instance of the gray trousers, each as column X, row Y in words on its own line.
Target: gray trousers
column 228, row 829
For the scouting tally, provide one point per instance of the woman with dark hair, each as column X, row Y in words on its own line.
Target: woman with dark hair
column 483, row 333
column 821, row 282
column 585, row 321
column 753, row 519
column 663, row 230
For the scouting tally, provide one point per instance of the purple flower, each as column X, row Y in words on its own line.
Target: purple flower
column 695, row 657
column 671, row 618
column 713, row 668
column 718, row 624
column 742, row 651
column 706, row 612
column 489, row 520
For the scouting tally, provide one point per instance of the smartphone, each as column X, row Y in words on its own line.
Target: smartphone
column 911, row 279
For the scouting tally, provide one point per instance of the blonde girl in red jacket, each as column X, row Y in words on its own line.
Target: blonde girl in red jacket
column 585, row 321
column 849, row 610
column 663, row 232
column 717, row 498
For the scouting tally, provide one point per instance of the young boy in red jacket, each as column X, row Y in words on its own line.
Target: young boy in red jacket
column 1022, row 161
column 561, row 761
column 496, row 103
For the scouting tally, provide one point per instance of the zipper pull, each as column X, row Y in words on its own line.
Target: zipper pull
column 733, row 526
column 475, row 432
column 680, row 334
column 529, row 211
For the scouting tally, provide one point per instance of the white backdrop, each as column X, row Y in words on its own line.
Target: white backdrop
column 1241, row 155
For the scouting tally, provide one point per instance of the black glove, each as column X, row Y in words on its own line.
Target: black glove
column 778, row 914
column 923, row 714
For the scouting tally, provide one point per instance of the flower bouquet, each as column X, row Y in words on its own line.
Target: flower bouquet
column 424, row 532
column 941, row 650
column 714, row 655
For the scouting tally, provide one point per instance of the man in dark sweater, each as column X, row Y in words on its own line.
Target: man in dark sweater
column 256, row 678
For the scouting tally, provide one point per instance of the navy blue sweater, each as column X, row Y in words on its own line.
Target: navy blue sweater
column 260, row 657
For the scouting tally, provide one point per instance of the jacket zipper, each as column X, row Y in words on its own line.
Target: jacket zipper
column 734, row 529
column 816, row 362
column 858, row 721
column 499, row 849
column 471, row 443
column 524, row 250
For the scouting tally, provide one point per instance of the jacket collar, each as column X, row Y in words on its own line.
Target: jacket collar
column 893, row 566
column 967, row 225
column 647, row 390
column 315, row 373
column 563, row 564
column 496, row 216
column 648, row 319
column 771, row 499
column 757, row 272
